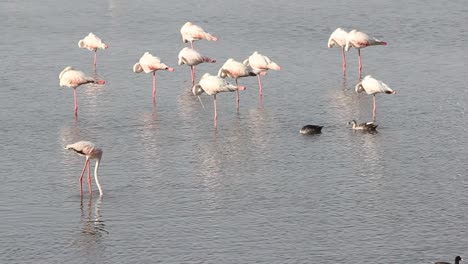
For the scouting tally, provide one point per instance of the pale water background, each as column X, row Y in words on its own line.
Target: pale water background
column 253, row 191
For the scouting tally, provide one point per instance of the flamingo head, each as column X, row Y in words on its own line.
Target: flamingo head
column 197, row 89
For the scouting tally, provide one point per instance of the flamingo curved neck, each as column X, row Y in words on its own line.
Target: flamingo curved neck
column 96, row 168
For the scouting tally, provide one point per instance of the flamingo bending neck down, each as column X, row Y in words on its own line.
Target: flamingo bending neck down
column 359, row 40
column 338, row 37
column 149, row 63
column 92, row 43
column 69, row 77
column 212, row 85
column 191, row 57
column 191, row 32
column 90, row 151
column 373, row 86
column 259, row 65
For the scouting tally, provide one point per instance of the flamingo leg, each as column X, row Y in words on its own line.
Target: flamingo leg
column 374, row 110
column 154, row 86
column 193, row 74
column 344, row 60
column 260, row 85
column 191, row 44
column 89, row 179
column 237, row 97
column 360, row 64
column 75, row 100
column 215, row 111
column 81, row 177
column 95, row 58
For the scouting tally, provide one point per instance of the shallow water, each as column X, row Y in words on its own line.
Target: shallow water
column 253, row 190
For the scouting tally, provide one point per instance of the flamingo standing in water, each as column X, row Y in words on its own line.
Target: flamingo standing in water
column 260, row 64
column 338, row 37
column 72, row 78
column 149, row 63
column 359, row 40
column 191, row 57
column 373, row 86
column 212, row 85
column 92, row 43
column 235, row 69
column 90, row 151
column 191, row 32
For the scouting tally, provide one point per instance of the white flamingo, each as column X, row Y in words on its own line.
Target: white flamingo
column 92, row 43
column 260, row 64
column 69, row 77
column 149, row 63
column 373, row 86
column 191, row 57
column 191, row 32
column 212, row 85
column 359, row 40
column 338, row 37
column 90, row 151
column 235, row 69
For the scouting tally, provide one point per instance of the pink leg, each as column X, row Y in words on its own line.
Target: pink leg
column 89, row 178
column 81, row 177
column 95, row 58
column 360, row 64
column 260, row 85
column 154, row 86
column 344, row 60
column 374, row 110
column 215, row 111
column 75, row 99
column 237, row 97
column 191, row 44
column 193, row 74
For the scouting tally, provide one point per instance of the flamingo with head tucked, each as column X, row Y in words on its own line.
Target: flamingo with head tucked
column 235, row 69
column 69, row 77
column 338, row 37
column 191, row 32
column 90, row 151
column 212, row 85
column 373, row 86
column 191, row 57
column 260, row 64
column 149, row 63
column 359, row 40
column 92, row 43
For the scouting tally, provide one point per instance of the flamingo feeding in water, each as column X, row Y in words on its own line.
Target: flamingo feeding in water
column 92, row 43
column 149, row 63
column 72, row 78
column 235, row 69
column 373, row 86
column 359, row 40
column 191, row 32
column 191, row 57
column 260, row 64
column 212, row 85
column 338, row 37
column 90, row 151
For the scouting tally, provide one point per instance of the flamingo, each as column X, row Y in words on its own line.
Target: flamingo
column 72, row 78
column 149, row 63
column 90, row 151
column 235, row 69
column 92, row 43
column 191, row 32
column 359, row 40
column 373, row 86
column 212, row 85
column 260, row 64
column 192, row 57
column 338, row 37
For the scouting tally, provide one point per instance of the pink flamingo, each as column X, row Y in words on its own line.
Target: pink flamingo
column 260, row 64
column 90, row 151
column 212, row 85
column 234, row 69
column 92, row 43
column 191, row 32
column 373, row 86
column 359, row 40
column 72, row 78
column 149, row 63
column 338, row 37
column 191, row 57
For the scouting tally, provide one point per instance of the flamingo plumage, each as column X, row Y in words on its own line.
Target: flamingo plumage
column 191, row 32
column 372, row 86
column 92, row 43
column 358, row 40
column 191, row 57
column 259, row 65
column 338, row 38
column 235, row 69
